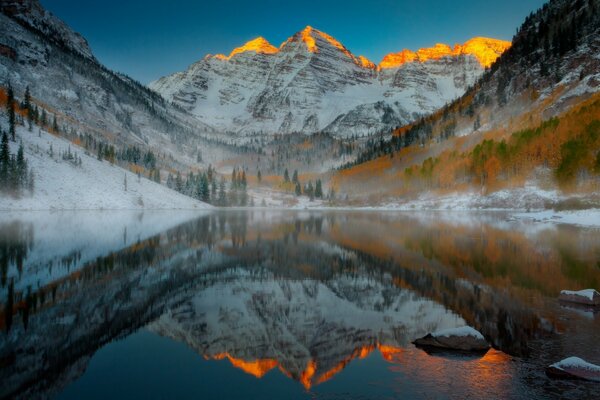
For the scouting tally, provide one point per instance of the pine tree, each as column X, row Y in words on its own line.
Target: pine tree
column 310, row 191
column 28, row 108
column 222, row 199
column 298, row 189
column 259, row 176
column 21, row 168
column 243, row 181
column 295, row 176
column 213, row 190
column 203, row 190
column 4, row 160
column 44, row 118
column 286, row 176
column 178, row 183
column 319, row 190
column 55, row 125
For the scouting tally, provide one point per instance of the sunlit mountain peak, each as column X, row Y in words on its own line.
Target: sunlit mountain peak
column 260, row 45
column 485, row 50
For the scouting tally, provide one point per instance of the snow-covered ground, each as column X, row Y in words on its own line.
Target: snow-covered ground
column 588, row 218
column 61, row 185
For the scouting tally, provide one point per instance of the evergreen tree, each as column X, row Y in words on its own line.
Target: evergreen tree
column 44, row 118
column 21, row 168
column 259, row 176
column 310, row 191
column 243, row 181
column 178, row 183
column 319, row 190
column 55, row 125
column 28, row 108
column 298, row 189
column 286, row 176
column 204, row 190
column 4, row 160
column 295, row 176
column 213, row 190
column 222, row 199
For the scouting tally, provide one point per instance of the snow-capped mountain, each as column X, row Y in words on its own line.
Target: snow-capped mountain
column 313, row 83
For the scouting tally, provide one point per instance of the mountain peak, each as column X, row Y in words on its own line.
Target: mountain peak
column 485, row 50
column 259, row 45
column 311, row 38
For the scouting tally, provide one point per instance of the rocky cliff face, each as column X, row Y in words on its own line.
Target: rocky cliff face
column 313, row 83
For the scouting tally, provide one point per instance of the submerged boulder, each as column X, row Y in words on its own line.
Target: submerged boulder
column 574, row 368
column 465, row 339
column 589, row 297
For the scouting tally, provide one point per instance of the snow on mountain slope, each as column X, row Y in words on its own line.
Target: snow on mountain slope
column 59, row 184
column 313, row 83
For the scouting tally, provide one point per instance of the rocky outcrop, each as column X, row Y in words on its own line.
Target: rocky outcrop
column 465, row 339
column 574, row 368
column 587, row 297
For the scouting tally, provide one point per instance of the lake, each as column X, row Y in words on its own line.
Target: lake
column 293, row 305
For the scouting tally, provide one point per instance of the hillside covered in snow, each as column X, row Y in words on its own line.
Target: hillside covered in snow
column 61, row 183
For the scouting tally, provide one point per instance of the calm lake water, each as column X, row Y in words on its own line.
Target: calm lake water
column 289, row 305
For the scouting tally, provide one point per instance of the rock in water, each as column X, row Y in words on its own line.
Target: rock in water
column 574, row 368
column 588, row 297
column 464, row 339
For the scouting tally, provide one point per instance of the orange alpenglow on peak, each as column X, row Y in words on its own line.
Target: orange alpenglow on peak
column 485, row 50
column 365, row 62
column 260, row 45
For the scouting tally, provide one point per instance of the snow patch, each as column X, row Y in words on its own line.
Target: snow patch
column 576, row 362
column 462, row 331
column 588, row 293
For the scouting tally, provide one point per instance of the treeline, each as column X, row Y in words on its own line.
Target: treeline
column 308, row 189
column 206, row 187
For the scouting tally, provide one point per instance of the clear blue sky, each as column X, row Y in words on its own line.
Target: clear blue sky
column 147, row 39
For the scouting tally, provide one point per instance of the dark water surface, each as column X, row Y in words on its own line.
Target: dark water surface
column 290, row 305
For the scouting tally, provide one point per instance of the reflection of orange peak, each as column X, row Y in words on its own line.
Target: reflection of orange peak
column 308, row 377
column 486, row 51
column 258, row 368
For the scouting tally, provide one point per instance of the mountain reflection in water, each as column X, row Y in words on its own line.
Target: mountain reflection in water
column 307, row 294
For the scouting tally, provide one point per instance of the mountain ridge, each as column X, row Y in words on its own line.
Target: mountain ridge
column 485, row 49
column 313, row 83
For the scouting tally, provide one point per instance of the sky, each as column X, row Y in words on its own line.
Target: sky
column 147, row 39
